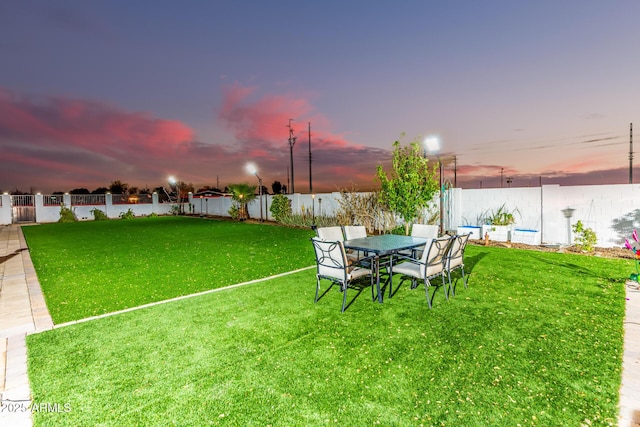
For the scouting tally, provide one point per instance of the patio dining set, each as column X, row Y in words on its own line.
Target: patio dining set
column 346, row 255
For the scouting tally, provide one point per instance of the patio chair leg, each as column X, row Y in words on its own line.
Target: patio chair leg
column 426, row 290
column 317, row 289
column 444, row 287
column 344, row 298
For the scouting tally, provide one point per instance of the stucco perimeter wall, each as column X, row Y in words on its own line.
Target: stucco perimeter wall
column 610, row 210
column 51, row 213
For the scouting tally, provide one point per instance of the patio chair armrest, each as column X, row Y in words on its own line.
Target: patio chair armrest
column 409, row 259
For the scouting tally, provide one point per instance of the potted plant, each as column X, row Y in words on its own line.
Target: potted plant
column 498, row 224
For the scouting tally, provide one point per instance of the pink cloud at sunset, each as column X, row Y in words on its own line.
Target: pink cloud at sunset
column 54, row 142
column 89, row 125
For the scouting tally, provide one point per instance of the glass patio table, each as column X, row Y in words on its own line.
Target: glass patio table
column 384, row 245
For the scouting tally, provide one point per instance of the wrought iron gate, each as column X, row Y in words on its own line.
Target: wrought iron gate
column 23, row 208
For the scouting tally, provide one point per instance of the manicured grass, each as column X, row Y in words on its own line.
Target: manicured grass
column 91, row 268
column 536, row 339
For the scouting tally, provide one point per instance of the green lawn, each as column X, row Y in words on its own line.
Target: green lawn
column 91, row 268
column 536, row 339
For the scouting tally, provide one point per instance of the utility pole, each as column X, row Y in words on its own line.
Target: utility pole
column 292, row 142
column 310, row 181
column 455, row 171
column 501, row 176
column 630, row 153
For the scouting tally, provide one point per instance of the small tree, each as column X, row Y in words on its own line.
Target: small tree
column 411, row 185
column 586, row 238
column 242, row 194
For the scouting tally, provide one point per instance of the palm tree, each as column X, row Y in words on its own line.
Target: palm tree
column 243, row 194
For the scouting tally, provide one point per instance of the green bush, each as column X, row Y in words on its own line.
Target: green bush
column 66, row 214
column 98, row 215
column 502, row 216
column 280, row 207
column 234, row 211
column 127, row 215
column 586, row 238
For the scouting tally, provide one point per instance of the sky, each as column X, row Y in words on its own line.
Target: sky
column 97, row 91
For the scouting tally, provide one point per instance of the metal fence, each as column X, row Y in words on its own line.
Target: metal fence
column 131, row 199
column 22, row 200
column 53, row 200
column 87, row 199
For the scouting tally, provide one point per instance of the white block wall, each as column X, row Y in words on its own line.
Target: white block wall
column 612, row 211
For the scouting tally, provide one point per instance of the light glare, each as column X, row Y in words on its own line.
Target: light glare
column 433, row 144
column 251, row 168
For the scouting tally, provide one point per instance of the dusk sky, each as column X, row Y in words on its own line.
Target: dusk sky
column 97, row 91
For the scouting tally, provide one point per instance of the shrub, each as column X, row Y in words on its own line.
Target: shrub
column 280, row 207
column 586, row 238
column 234, row 211
column 308, row 219
column 98, row 215
column 66, row 214
column 127, row 215
column 502, row 216
column 364, row 209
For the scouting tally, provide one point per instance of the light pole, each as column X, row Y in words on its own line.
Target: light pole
column 251, row 168
column 292, row 142
column 175, row 182
column 432, row 145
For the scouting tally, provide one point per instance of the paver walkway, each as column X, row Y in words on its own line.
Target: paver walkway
column 23, row 311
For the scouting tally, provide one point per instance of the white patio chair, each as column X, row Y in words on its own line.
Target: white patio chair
column 354, row 232
column 429, row 266
column 454, row 259
column 330, row 233
column 332, row 264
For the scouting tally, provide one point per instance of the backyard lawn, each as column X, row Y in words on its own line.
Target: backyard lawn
column 91, row 268
column 536, row 339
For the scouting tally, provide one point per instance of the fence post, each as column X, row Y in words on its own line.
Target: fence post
column 38, row 204
column 108, row 204
column 155, row 203
column 5, row 209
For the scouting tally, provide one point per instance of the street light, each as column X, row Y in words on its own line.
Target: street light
column 174, row 181
column 432, row 145
column 251, row 168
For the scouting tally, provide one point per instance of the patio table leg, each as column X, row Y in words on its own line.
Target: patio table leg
column 377, row 268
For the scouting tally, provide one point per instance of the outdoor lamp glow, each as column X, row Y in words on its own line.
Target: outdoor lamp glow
column 432, row 144
column 251, row 168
